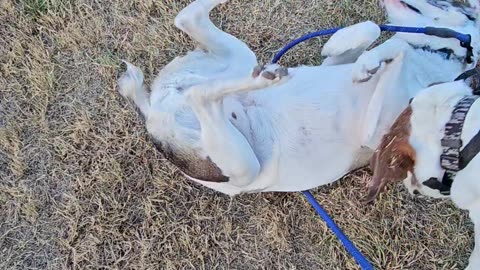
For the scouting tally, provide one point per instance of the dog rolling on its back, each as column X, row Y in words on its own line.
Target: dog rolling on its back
column 236, row 128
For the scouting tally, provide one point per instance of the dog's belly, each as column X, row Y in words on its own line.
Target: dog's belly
column 314, row 124
column 305, row 132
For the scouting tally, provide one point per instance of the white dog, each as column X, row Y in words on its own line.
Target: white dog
column 271, row 129
column 413, row 148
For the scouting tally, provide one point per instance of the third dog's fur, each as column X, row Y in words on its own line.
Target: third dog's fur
column 411, row 152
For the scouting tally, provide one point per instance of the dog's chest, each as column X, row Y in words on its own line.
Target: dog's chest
column 297, row 128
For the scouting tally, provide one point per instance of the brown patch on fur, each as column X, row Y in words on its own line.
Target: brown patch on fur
column 394, row 157
column 475, row 82
column 193, row 166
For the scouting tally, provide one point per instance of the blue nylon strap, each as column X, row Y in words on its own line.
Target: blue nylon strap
column 349, row 246
column 302, row 39
column 442, row 32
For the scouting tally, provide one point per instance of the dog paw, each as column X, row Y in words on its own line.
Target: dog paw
column 357, row 36
column 366, row 66
column 130, row 81
column 271, row 72
column 188, row 18
column 210, row 4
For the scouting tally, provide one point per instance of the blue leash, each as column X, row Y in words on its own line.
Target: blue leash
column 357, row 255
column 465, row 41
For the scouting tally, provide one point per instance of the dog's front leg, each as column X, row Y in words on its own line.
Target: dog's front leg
column 220, row 139
column 370, row 62
column 346, row 45
column 194, row 20
column 262, row 77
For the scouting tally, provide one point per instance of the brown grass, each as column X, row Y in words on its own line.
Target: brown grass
column 82, row 187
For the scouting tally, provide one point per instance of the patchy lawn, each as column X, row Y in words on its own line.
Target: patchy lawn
column 81, row 186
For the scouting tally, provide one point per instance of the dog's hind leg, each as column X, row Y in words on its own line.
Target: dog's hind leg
column 261, row 77
column 370, row 62
column 131, row 87
column 347, row 44
column 194, row 20
column 221, row 140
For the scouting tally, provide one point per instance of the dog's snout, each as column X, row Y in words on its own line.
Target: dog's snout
column 416, row 192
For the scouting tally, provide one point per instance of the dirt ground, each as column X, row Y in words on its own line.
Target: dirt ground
column 81, row 186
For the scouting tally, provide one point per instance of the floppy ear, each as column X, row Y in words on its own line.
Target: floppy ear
column 376, row 185
column 389, row 168
column 394, row 157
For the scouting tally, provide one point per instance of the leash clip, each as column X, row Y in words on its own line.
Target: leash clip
column 468, row 45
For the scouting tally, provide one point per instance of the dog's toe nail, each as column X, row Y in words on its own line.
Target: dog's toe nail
column 268, row 75
column 373, row 71
column 361, row 80
column 257, row 70
column 282, row 72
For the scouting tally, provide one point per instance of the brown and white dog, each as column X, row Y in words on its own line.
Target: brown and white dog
column 238, row 131
column 412, row 151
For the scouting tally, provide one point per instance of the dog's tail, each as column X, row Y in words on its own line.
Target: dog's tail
column 131, row 87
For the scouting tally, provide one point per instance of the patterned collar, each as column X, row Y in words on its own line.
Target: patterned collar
column 453, row 159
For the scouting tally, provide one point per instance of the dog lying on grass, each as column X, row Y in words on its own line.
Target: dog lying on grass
column 237, row 127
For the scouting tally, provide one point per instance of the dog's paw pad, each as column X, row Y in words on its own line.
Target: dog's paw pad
column 269, row 75
column 257, row 71
column 281, row 72
column 276, row 74
column 365, row 68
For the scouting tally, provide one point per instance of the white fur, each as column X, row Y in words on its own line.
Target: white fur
column 305, row 130
column 431, row 110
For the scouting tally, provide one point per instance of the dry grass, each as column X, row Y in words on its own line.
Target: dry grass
column 82, row 187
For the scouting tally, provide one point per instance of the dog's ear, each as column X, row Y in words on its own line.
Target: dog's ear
column 376, row 184
column 389, row 167
column 394, row 158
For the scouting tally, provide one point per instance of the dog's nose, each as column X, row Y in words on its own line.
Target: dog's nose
column 416, row 192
